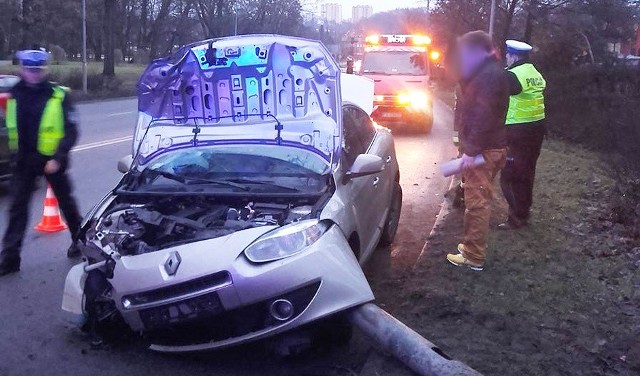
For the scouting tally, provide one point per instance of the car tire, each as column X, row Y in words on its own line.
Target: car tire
column 393, row 218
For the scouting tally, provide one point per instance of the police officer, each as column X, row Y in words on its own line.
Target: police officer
column 525, row 133
column 41, row 130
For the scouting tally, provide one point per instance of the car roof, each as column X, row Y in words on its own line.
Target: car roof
column 358, row 91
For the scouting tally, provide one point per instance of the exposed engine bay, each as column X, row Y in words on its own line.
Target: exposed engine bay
column 135, row 228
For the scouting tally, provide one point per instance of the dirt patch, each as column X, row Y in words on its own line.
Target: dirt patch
column 557, row 298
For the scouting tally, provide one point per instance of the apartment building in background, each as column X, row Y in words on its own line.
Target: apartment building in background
column 360, row 12
column 332, row 12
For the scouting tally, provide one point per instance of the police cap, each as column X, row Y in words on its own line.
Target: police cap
column 518, row 48
column 33, row 58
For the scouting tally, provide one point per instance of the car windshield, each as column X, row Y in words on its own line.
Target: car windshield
column 235, row 168
column 395, row 63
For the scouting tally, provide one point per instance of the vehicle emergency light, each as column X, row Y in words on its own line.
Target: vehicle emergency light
column 372, row 40
column 398, row 40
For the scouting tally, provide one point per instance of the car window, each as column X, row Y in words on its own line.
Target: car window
column 254, row 168
column 353, row 144
column 365, row 129
column 395, row 63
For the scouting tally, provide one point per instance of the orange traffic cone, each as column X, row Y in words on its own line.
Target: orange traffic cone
column 51, row 221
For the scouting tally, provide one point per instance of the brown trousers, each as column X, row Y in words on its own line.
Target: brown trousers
column 478, row 192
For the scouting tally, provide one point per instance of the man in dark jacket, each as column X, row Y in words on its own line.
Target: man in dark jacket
column 41, row 129
column 484, row 103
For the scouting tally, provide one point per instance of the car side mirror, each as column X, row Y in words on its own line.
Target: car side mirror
column 125, row 163
column 364, row 165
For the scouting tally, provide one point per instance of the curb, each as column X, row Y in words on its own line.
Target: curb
column 444, row 210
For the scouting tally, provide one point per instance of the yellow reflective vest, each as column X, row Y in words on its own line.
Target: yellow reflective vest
column 51, row 129
column 528, row 106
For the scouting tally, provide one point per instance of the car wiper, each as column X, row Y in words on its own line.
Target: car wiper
column 260, row 182
column 169, row 175
column 190, row 181
column 187, row 180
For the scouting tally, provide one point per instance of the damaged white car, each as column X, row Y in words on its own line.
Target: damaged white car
column 257, row 186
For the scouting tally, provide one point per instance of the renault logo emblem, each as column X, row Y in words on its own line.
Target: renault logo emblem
column 172, row 263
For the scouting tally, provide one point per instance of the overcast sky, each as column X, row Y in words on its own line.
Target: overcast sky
column 378, row 5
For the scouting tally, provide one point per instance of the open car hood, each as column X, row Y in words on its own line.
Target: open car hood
column 265, row 89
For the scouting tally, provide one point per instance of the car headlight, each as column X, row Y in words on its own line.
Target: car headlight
column 286, row 241
column 415, row 99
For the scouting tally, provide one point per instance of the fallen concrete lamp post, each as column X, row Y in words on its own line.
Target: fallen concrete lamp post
column 417, row 353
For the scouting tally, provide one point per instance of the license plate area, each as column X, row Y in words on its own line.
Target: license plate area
column 207, row 305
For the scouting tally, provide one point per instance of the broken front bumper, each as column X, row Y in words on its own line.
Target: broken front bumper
column 218, row 298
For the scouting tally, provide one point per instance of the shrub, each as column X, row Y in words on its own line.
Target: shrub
column 141, row 57
column 72, row 78
column 58, row 54
column 598, row 107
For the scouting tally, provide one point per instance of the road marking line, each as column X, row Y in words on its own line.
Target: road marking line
column 98, row 144
column 120, row 113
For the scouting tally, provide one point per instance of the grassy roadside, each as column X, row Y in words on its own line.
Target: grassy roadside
column 70, row 74
column 557, row 298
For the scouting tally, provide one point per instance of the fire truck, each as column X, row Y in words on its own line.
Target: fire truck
column 400, row 68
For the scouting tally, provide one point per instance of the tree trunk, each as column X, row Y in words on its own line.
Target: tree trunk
column 142, row 32
column 2, row 42
column 109, row 67
column 511, row 11
column 27, row 22
column 528, row 27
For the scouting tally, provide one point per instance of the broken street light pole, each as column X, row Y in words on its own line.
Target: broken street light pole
column 392, row 336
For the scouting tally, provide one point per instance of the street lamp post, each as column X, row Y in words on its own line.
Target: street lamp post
column 84, row 47
column 235, row 23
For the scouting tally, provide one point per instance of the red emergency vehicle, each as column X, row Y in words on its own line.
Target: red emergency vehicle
column 400, row 68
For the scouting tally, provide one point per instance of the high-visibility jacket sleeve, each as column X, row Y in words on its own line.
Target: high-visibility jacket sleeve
column 70, row 131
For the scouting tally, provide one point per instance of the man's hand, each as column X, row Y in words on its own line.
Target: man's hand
column 467, row 162
column 51, row 167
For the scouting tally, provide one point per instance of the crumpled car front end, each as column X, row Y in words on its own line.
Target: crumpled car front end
column 217, row 234
column 209, row 294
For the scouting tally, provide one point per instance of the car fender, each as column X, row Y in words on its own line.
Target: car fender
column 342, row 214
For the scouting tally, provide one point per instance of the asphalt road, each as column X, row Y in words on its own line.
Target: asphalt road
column 34, row 340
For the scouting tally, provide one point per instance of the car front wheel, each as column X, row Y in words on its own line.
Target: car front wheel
column 393, row 218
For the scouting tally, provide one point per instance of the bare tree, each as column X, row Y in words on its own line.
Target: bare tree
column 109, row 68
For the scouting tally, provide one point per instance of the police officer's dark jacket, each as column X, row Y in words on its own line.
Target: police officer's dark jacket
column 31, row 101
column 483, row 109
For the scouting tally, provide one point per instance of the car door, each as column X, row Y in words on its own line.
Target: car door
column 381, row 145
column 370, row 194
